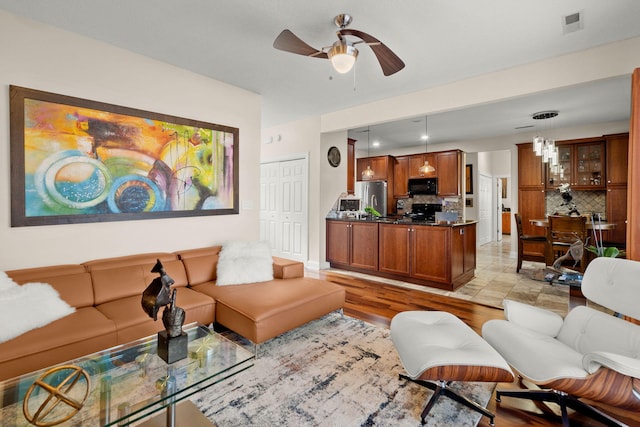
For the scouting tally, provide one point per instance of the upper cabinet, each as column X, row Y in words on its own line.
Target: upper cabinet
column 382, row 167
column 530, row 171
column 448, row 170
column 581, row 164
column 416, row 161
column 447, row 166
column 401, row 175
column 617, row 156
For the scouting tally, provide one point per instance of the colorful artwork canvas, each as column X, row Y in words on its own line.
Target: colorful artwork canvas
column 75, row 160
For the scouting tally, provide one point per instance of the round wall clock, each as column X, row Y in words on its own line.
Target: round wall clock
column 333, row 156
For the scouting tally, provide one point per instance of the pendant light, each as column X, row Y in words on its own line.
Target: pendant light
column 368, row 173
column 426, row 168
column 545, row 147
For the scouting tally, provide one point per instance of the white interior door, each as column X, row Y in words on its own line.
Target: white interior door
column 269, row 182
column 283, row 208
column 485, row 209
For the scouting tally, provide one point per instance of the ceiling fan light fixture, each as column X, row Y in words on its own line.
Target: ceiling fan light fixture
column 343, row 56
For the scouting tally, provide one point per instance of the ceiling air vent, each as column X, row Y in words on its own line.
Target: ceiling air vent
column 571, row 23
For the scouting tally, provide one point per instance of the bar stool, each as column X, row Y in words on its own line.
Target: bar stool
column 522, row 238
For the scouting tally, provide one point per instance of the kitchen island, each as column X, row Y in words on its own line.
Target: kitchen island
column 440, row 255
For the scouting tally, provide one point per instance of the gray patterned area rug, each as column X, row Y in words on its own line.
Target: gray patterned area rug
column 335, row 371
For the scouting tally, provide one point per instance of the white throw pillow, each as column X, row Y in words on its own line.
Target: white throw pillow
column 244, row 262
column 29, row 306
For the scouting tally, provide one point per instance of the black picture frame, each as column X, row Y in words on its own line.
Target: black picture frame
column 469, row 179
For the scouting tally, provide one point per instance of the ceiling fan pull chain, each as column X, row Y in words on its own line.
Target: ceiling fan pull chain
column 354, row 78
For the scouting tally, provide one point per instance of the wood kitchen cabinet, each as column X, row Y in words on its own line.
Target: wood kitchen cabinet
column 531, row 195
column 382, row 167
column 463, row 251
column 353, row 244
column 530, row 171
column 395, row 249
column 448, row 170
column 400, row 177
column 617, row 158
column 617, row 214
column 617, row 152
column 444, row 257
column 581, row 164
column 416, row 161
column 506, row 222
column 431, row 254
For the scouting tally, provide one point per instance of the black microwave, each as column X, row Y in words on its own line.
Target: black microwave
column 423, row 186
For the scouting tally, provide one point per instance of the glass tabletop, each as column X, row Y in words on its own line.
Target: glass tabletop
column 127, row 383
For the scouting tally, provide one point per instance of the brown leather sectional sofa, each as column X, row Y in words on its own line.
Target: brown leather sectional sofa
column 106, row 294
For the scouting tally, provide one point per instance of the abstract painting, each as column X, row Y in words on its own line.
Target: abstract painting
column 75, row 160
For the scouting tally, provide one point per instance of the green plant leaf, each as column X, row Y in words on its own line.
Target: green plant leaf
column 610, row 252
column 372, row 211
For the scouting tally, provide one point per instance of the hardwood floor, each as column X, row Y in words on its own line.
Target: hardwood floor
column 377, row 303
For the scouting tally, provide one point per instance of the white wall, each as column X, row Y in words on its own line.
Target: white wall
column 291, row 140
column 48, row 59
column 333, row 182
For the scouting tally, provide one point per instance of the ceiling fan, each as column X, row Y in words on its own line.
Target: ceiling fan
column 342, row 53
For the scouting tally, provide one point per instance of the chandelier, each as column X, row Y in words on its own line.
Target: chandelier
column 545, row 147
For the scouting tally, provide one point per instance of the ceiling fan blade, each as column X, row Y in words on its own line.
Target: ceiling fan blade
column 389, row 61
column 289, row 42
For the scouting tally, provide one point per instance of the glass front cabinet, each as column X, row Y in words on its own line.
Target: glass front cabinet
column 579, row 165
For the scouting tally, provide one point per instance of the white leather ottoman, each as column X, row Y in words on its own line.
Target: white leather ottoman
column 437, row 346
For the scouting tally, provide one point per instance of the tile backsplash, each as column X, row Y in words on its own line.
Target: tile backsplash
column 586, row 202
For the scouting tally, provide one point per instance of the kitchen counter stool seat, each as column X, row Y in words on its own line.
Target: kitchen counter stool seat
column 437, row 346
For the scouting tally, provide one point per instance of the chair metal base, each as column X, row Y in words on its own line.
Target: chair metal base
column 565, row 401
column 442, row 387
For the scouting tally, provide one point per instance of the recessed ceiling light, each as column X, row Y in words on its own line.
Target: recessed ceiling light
column 376, row 144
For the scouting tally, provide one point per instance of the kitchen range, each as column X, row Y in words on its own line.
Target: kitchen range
column 424, row 212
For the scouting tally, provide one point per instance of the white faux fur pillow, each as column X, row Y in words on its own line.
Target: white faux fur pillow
column 244, row 262
column 29, row 306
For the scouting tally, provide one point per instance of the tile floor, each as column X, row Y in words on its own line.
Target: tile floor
column 496, row 279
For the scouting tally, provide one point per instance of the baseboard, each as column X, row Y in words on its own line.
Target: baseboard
column 312, row 265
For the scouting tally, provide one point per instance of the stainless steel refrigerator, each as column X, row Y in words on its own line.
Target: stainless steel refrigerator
column 373, row 194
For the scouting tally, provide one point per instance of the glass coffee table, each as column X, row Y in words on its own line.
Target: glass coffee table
column 128, row 384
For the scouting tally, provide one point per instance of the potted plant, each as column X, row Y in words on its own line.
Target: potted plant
column 598, row 248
